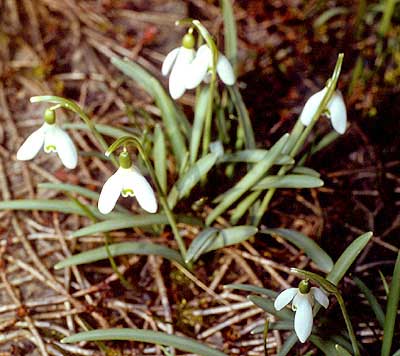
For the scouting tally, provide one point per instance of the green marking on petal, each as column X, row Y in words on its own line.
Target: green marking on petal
column 50, row 148
column 127, row 193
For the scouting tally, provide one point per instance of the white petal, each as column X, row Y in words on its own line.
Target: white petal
column 338, row 112
column 32, row 145
column 169, row 61
column 65, row 147
column 303, row 319
column 199, row 67
column 225, row 70
column 311, row 106
column 179, row 73
column 285, row 298
column 110, row 192
column 144, row 193
column 320, row 296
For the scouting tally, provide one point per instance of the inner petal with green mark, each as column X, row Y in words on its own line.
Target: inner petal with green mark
column 50, row 148
column 127, row 192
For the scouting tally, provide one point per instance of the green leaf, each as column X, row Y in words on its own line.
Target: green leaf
column 182, row 343
column 230, row 32
column 253, row 156
column 268, row 306
column 288, row 345
column 372, row 301
column 174, row 120
column 328, row 14
column 198, row 122
column 71, row 188
column 277, row 325
column 347, row 258
column 306, row 171
column 200, row 244
column 251, row 178
column 119, row 249
column 231, row 236
column 391, row 310
column 160, row 158
column 244, row 206
column 243, row 115
column 310, row 247
column 127, row 223
column 62, row 206
column 107, row 130
column 255, row 289
column 195, row 173
column 329, row 347
column 289, row 181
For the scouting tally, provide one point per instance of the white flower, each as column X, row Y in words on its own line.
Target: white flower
column 336, row 108
column 54, row 139
column 201, row 64
column 128, row 182
column 302, row 304
column 177, row 63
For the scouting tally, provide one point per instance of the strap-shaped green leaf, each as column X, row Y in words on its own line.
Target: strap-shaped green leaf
column 160, row 158
column 118, row 249
column 200, row 243
column 251, row 288
column 310, row 247
column 154, row 337
column 298, row 181
column 231, row 236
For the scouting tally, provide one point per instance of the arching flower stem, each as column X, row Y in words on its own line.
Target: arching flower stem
column 300, row 135
column 135, row 141
column 72, row 106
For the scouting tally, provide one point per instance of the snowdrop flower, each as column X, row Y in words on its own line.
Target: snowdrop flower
column 336, row 110
column 53, row 139
column 176, row 63
column 128, row 182
column 199, row 68
column 302, row 299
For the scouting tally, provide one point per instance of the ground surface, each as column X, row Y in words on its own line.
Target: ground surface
column 63, row 48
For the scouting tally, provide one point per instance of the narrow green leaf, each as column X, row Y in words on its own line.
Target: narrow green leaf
column 244, row 206
column 268, row 306
column 329, row 347
column 298, row 181
column 193, row 176
column 328, row 14
column 310, row 247
column 160, row 158
column 127, row 222
column 397, row 353
column 305, row 170
column 391, row 310
column 115, row 132
column 200, row 244
column 243, row 115
column 347, row 258
column 251, row 178
column 230, row 32
column 231, row 236
column 276, row 325
column 253, row 156
column 288, row 345
column 71, row 188
column 182, row 343
column 372, row 301
column 198, row 122
column 174, row 120
column 119, row 249
column 62, row 206
column 251, row 288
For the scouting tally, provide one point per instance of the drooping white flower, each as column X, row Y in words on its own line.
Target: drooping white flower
column 128, row 182
column 302, row 299
column 53, row 139
column 200, row 66
column 336, row 110
column 176, row 63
